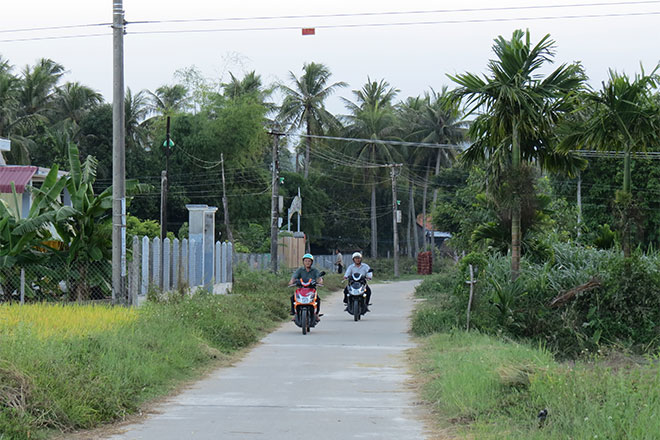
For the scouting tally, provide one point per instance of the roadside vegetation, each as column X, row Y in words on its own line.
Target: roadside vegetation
column 487, row 387
column 576, row 336
column 68, row 367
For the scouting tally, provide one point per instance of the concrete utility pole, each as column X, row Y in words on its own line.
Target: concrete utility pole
column 164, row 186
column 274, row 204
column 395, row 168
column 118, row 158
column 225, row 206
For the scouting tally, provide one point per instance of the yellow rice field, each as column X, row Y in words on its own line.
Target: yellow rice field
column 62, row 321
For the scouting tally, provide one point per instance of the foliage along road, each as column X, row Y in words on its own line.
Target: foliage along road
column 345, row 379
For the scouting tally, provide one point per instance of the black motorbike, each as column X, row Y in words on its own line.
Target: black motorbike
column 356, row 301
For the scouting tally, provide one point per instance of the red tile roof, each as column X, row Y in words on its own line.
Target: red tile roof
column 20, row 175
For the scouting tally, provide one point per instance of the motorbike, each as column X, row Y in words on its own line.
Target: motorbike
column 356, row 303
column 305, row 305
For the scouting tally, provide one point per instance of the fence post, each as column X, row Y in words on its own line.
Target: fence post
column 167, row 263
column 135, row 273
column 145, row 265
column 22, row 286
column 227, row 268
column 156, row 261
column 176, row 263
column 217, row 273
column 192, row 262
column 185, row 280
column 471, row 282
column 226, row 261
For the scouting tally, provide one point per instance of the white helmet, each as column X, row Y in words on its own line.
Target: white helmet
column 356, row 255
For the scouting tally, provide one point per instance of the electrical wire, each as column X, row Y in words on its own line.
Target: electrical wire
column 386, row 13
column 337, row 15
column 352, row 25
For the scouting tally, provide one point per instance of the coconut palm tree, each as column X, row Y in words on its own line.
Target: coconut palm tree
column 372, row 116
column 518, row 110
column 72, row 101
column 38, row 86
column 168, row 100
column 136, row 110
column 304, row 103
column 623, row 116
column 441, row 122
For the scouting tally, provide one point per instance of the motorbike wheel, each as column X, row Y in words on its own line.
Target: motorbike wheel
column 356, row 309
column 304, row 321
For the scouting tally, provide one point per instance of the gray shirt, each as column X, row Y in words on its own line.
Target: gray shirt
column 363, row 269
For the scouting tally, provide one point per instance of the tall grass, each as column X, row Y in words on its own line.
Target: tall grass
column 487, row 388
column 74, row 367
column 622, row 310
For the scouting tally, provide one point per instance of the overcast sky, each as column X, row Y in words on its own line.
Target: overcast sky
column 411, row 57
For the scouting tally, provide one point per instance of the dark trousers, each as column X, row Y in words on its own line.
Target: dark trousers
column 368, row 292
column 340, row 269
column 318, row 304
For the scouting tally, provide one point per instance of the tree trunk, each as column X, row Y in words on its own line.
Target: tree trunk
column 437, row 171
column 410, row 222
column 414, row 218
column 626, row 220
column 515, row 210
column 374, row 225
column 308, row 142
column 426, row 188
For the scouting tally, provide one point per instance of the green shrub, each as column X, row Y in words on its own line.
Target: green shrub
column 625, row 309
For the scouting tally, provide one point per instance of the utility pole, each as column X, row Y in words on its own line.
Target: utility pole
column 225, row 206
column 394, row 168
column 164, row 186
column 274, row 204
column 118, row 157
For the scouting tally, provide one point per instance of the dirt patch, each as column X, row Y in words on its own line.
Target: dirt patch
column 15, row 388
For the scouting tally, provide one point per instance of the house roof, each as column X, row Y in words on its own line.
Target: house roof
column 20, row 175
column 429, row 223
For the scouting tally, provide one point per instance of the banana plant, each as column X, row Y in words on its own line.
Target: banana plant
column 22, row 239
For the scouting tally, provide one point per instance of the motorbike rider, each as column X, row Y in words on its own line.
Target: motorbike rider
column 307, row 273
column 362, row 269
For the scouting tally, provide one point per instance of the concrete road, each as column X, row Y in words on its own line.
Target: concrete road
column 344, row 380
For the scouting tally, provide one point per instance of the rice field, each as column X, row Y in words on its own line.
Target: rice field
column 63, row 321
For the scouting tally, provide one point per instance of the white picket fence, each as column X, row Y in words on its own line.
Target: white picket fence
column 185, row 264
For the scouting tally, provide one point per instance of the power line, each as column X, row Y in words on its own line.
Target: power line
column 390, row 13
column 385, row 142
column 406, row 23
column 355, row 25
column 52, row 28
column 339, row 15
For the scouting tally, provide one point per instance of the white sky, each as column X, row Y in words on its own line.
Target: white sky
column 412, row 58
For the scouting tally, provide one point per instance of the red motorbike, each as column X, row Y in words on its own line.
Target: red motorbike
column 305, row 305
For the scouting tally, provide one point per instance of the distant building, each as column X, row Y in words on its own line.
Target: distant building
column 23, row 177
column 438, row 237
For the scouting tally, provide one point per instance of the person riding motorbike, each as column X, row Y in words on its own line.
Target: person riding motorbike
column 307, row 273
column 362, row 269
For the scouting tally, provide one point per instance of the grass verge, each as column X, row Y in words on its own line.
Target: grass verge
column 60, row 381
column 488, row 388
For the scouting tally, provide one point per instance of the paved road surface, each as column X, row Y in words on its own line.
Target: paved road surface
column 344, row 380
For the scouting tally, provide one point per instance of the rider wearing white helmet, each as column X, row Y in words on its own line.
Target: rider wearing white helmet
column 362, row 269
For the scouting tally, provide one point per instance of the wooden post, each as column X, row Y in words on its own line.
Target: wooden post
column 471, row 282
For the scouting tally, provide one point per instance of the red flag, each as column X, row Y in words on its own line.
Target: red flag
column 308, row 31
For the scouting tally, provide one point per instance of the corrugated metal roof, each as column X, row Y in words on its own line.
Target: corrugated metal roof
column 20, row 175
